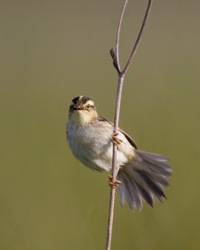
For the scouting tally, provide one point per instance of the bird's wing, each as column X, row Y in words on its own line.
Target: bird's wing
column 130, row 140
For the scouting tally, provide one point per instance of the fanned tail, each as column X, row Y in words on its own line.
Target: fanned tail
column 143, row 178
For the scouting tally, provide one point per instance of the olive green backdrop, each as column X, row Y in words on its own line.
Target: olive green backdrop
column 52, row 51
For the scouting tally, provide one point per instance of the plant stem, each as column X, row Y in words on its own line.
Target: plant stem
column 114, row 163
column 121, row 76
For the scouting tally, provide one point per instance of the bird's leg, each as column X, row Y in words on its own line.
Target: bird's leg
column 112, row 183
column 115, row 139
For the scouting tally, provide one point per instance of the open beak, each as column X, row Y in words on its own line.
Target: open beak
column 78, row 107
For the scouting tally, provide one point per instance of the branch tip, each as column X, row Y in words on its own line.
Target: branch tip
column 115, row 62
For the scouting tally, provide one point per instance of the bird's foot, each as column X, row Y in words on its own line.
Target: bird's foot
column 112, row 183
column 115, row 139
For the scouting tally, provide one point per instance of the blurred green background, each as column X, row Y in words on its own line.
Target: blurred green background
column 52, row 51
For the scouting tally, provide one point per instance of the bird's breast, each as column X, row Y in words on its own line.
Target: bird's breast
column 92, row 145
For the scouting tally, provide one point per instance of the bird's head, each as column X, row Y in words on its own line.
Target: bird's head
column 82, row 111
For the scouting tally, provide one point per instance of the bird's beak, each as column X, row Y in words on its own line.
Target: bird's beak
column 78, row 107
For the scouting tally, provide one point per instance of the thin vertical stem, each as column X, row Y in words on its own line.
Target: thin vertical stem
column 121, row 75
column 114, row 163
column 138, row 40
column 118, row 34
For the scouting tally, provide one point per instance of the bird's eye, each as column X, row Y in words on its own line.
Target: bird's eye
column 89, row 107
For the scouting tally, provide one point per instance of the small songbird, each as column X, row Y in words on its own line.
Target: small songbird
column 142, row 175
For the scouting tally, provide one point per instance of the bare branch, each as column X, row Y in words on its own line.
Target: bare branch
column 115, row 62
column 148, row 9
column 115, row 167
column 118, row 34
column 121, row 75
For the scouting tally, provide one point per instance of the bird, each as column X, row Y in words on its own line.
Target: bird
column 142, row 176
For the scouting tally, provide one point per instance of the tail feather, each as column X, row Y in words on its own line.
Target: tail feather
column 146, row 196
column 161, row 180
column 151, row 183
column 143, row 178
column 132, row 194
column 157, row 163
column 121, row 189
